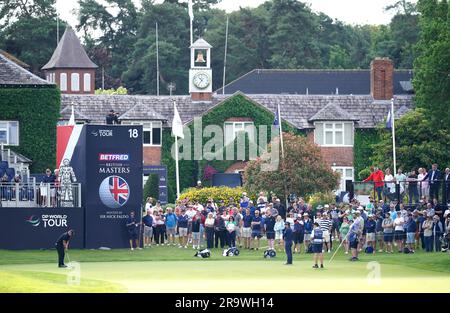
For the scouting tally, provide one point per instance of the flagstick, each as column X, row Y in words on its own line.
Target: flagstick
column 393, row 136
column 176, row 167
column 225, row 58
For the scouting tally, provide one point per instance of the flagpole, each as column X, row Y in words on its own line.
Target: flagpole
column 191, row 18
column 281, row 132
column 177, row 174
column 157, row 61
column 225, row 58
column 282, row 156
column 393, row 136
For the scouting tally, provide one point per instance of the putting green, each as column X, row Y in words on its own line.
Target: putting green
column 209, row 275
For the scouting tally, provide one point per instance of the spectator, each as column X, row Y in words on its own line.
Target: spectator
column 256, row 229
column 433, row 178
column 389, row 189
column 438, row 230
column 112, row 118
column 377, row 177
column 427, row 227
column 46, row 187
column 308, row 225
column 423, row 184
column 219, row 231
column 325, row 226
column 147, row 220
column 399, row 232
column 370, row 227
column 410, row 227
column 269, row 227
column 196, row 222
column 278, row 228
column 420, row 219
column 171, row 226
column 413, row 191
column 400, row 179
column 247, row 228
column 280, row 208
column 298, row 234
column 238, row 219
column 209, row 230
column 159, row 230
column 378, row 231
column 183, row 229
column 388, row 232
column 262, row 197
column 446, row 194
column 149, row 204
column 334, row 213
column 231, row 232
column 244, row 201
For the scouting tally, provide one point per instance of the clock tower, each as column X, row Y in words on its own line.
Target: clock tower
column 200, row 73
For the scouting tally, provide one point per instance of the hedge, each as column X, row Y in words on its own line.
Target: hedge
column 217, row 193
column 37, row 110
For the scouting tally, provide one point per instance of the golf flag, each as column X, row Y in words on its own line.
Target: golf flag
column 276, row 121
column 177, row 125
column 191, row 10
column 389, row 120
column 72, row 118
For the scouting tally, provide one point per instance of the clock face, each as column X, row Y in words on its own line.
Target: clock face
column 201, row 80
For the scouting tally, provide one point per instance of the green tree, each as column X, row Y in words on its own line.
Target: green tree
column 419, row 143
column 303, row 170
column 432, row 65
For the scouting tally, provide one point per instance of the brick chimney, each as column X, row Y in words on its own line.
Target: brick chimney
column 382, row 79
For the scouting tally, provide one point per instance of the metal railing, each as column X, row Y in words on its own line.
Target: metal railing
column 32, row 194
column 407, row 192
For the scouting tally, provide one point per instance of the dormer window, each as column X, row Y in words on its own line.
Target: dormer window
column 333, row 134
column 231, row 130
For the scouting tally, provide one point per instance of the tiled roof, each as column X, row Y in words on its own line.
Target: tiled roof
column 69, row 53
column 313, row 82
column 295, row 109
column 141, row 112
column 13, row 74
column 332, row 112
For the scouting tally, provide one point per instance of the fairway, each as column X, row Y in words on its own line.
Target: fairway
column 169, row 269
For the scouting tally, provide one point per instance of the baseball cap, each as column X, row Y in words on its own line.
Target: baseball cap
column 326, row 206
column 305, row 214
column 287, row 223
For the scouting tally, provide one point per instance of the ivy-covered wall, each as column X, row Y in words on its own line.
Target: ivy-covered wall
column 37, row 110
column 363, row 150
column 191, row 171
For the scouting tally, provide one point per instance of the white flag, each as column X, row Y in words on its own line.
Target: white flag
column 191, row 10
column 72, row 118
column 177, row 125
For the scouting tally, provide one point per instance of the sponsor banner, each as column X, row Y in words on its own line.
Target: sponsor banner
column 39, row 228
column 161, row 171
column 113, row 183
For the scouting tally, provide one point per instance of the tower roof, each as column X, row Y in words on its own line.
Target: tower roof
column 201, row 43
column 69, row 53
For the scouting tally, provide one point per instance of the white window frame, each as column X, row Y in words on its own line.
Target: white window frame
column 7, row 143
column 73, row 86
column 153, row 124
column 63, row 87
column 344, row 177
column 87, row 79
column 334, row 130
column 235, row 130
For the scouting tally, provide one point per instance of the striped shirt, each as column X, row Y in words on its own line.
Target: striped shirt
column 325, row 224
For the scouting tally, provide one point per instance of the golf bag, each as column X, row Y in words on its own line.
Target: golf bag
column 406, row 250
column 310, row 248
column 369, row 250
column 233, row 251
column 203, row 254
column 270, row 253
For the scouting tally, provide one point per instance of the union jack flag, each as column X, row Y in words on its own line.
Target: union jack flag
column 119, row 189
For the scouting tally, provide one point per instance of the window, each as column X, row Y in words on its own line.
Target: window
column 333, row 134
column 75, row 82
column 87, row 81
column 346, row 173
column 63, row 81
column 232, row 128
column 9, row 133
column 152, row 132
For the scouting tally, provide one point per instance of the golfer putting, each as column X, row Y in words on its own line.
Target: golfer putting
column 62, row 245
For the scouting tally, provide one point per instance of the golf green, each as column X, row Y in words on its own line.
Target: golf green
column 168, row 269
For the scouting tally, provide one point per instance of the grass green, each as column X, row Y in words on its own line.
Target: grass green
column 170, row 269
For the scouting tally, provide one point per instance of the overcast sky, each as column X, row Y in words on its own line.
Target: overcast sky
column 349, row 11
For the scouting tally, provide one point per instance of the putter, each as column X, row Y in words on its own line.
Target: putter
column 68, row 258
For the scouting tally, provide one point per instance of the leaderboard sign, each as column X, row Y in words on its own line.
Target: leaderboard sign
column 113, row 183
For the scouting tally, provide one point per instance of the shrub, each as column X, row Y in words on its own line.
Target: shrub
column 217, row 193
column 321, row 198
column 363, row 174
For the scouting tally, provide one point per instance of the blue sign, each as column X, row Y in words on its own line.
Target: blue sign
column 161, row 171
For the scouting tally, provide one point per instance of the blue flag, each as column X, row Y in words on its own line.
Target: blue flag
column 276, row 121
column 389, row 120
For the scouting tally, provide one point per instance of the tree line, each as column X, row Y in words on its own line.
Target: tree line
column 281, row 34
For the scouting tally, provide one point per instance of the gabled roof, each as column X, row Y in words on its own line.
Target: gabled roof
column 13, row 74
column 14, row 59
column 69, row 53
column 201, row 43
column 67, row 111
column 332, row 112
column 313, row 82
column 141, row 112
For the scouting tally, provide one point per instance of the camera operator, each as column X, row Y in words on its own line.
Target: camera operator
column 112, row 118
